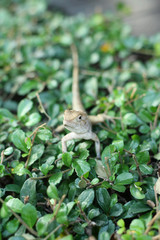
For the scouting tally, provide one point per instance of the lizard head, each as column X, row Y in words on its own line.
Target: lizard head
column 76, row 121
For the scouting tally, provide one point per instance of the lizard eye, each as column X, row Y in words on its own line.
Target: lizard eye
column 79, row 117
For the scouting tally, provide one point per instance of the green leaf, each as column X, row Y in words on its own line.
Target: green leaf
column 130, row 119
column 55, row 178
column 43, row 223
column 28, row 86
column 67, row 159
column 143, row 157
column 137, row 192
column 121, row 223
column 86, row 198
column 119, row 144
column 145, row 169
column 21, row 170
column 18, row 139
column 119, row 188
column 8, row 151
column 116, row 210
column 104, row 236
column 45, row 168
column 94, row 212
column 29, row 190
column 52, row 191
column 69, row 237
column 124, row 179
column 44, row 134
column 13, row 188
column 61, row 216
column 15, row 204
column 81, row 167
column 95, row 181
column 106, row 61
column 6, row 114
column 108, row 152
column 2, row 170
column 29, row 214
column 24, row 107
column 145, row 116
column 82, row 183
column 83, row 154
column 33, row 119
column 91, row 87
column 12, row 226
column 36, row 153
column 103, row 199
column 100, row 169
column 137, row 225
column 144, row 129
column 151, row 98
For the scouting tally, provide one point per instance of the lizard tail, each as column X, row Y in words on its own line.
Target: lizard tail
column 76, row 100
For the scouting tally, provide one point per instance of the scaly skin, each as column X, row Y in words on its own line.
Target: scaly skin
column 80, row 126
column 76, row 120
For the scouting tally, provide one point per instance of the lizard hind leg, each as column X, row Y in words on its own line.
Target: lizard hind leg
column 97, row 145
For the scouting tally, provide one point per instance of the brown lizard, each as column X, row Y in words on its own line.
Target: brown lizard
column 77, row 121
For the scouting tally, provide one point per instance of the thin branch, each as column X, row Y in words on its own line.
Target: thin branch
column 34, row 135
column 137, row 165
column 57, row 209
column 41, row 106
column 83, row 213
column 152, row 221
column 156, row 237
column 51, row 233
column 108, row 168
column 2, row 156
column 132, row 100
column 49, row 175
column 32, row 231
column 156, row 117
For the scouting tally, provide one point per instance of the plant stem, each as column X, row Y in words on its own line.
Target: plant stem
column 32, row 231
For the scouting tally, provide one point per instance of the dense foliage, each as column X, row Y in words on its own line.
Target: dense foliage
column 49, row 195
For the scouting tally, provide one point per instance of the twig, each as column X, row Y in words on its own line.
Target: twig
column 107, row 128
column 156, row 198
column 32, row 231
column 132, row 100
column 152, row 221
column 83, row 213
column 91, row 73
column 36, row 130
column 51, row 233
column 58, row 159
column 137, row 165
column 41, row 106
column 108, row 168
column 122, row 126
column 2, row 156
column 6, row 159
column 95, row 185
column 57, row 209
column 156, row 237
column 156, row 117
column 34, row 135
column 42, row 177
column 49, row 175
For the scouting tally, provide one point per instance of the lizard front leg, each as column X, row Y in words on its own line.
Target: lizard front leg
column 66, row 138
column 97, row 145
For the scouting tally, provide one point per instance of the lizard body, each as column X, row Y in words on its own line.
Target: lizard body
column 76, row 120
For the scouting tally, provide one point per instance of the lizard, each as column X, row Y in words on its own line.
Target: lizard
column 76, row 120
